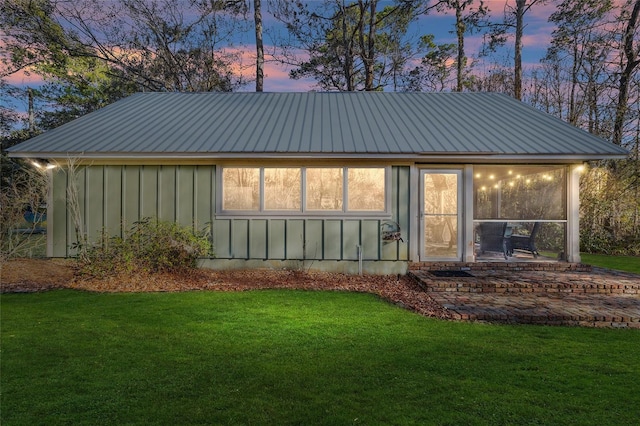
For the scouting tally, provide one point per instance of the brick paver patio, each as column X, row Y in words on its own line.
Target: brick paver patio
column 595, row 298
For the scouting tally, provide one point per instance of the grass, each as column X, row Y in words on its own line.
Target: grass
column 620, row 263
column 295, row 357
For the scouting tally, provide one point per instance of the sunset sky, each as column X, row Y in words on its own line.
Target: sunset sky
column 537, row 35
column 536, row 40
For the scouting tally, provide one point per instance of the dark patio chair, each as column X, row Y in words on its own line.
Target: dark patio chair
column 493, row 237
column 526, row 242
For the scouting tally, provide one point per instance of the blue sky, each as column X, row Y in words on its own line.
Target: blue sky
column 537, row 35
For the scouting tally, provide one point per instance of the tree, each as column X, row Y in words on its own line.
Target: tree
column 346, row 47
column 242, row 7
column 513, row 21
column 632, row 53
column 154, row 44
column 434, row 71
column 257, row 14
column 576, row 40
column 465, row 23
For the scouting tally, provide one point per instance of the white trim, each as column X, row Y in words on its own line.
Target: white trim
column 422, row 256
column 414, row 213
column 573, row 214
column 468, row 243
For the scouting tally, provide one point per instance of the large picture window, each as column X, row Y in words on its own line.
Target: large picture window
column 313, row 190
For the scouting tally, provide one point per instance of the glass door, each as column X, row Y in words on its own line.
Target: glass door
column 441, row 215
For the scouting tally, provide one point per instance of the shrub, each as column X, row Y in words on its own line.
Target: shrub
column 149, row 246
column 23, row 198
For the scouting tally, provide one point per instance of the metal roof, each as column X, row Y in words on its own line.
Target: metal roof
column 355, row 124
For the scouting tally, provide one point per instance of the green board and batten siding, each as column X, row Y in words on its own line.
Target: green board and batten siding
column 112, row 197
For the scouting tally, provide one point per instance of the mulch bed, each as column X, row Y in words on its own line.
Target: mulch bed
column 33, row 275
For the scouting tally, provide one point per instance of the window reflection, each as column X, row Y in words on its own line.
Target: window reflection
column 366, row 189
column 282, row 189
column 241, row 188
column 324, row 189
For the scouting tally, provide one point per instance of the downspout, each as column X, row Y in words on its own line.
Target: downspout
column 359, row 248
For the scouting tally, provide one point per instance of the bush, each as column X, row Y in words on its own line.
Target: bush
column 149, row 246
column 604, row 243
column 23, row 198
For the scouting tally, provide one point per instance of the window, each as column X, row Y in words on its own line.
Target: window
column 289, row 190
column 324, row 189
column 241, row 188
column 365, row 191
column 282, row 189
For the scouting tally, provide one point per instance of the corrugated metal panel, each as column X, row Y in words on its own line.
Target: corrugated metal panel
column 244, row 124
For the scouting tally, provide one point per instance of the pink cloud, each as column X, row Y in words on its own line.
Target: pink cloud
column 276, row 75
column 24, row 78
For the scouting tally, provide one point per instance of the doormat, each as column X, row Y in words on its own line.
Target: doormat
column 448, row 274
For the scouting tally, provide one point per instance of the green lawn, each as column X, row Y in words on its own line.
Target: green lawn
column 621, row 263
column 295, row 357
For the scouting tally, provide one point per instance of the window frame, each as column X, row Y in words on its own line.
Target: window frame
column 303, row 211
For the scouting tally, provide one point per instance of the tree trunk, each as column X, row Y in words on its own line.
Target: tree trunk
column 347, row 43
column 257, row 15
column 32, row 113
column 517, row 58
column 370, row 51
column 460, row 63
column 625, row 76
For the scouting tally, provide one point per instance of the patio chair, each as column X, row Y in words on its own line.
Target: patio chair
column 493, row 237
column 526, row 242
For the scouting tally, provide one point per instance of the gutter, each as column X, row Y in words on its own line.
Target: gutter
column 468, row 158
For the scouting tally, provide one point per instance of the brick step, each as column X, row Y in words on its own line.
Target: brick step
column 500, row 283
column 500, row 266
column 548, row 319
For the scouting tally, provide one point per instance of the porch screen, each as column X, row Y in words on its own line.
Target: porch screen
column 530, row 193
column 525, row 206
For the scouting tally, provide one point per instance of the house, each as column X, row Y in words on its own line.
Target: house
column 330, row 181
